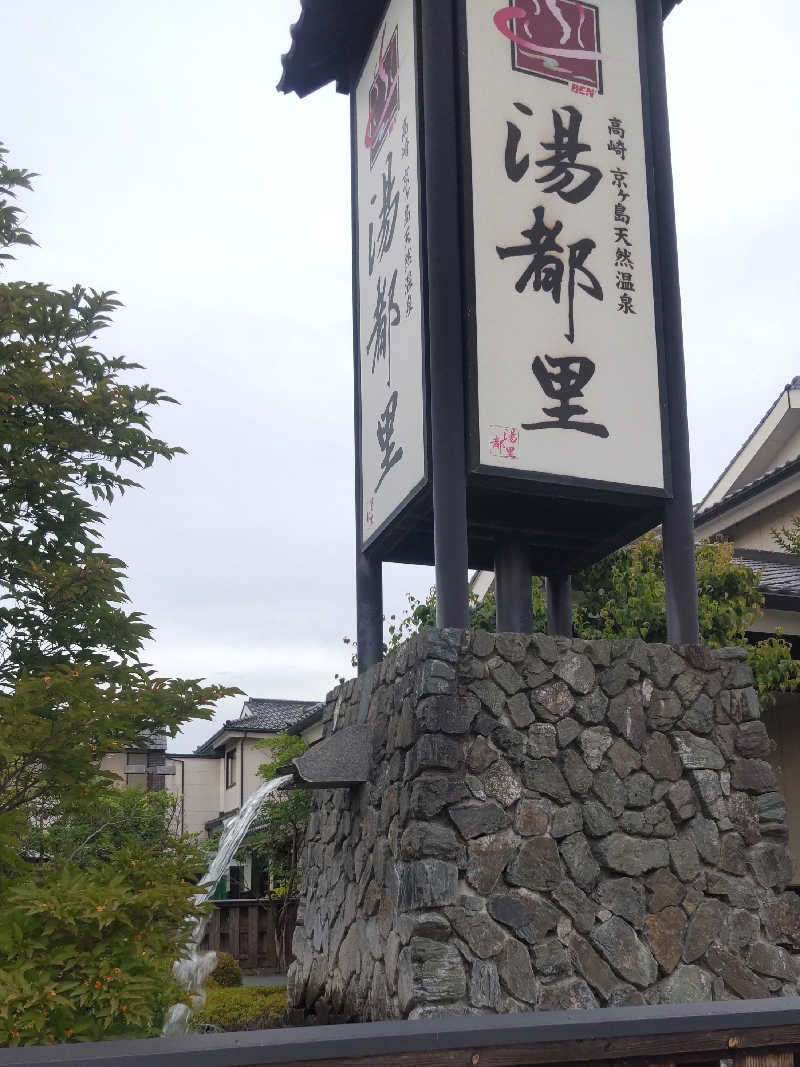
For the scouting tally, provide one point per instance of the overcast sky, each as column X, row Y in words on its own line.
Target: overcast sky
column 172, row 171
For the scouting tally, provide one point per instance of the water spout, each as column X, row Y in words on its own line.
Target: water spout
column 192, row 970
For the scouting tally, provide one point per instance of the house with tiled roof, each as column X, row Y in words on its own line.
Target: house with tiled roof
column 213, row 782
column 759, row 492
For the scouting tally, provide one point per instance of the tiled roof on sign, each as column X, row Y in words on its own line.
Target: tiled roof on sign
column 261, row 714
column 330, row 36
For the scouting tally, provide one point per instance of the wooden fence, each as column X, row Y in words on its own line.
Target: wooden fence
column 247, row 929
column 756, row 1033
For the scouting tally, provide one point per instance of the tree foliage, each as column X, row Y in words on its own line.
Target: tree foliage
column 623, row 595
column 93, row 910
column 89, row 934
column 788, row 537
column 72, row 424
column 282, row 820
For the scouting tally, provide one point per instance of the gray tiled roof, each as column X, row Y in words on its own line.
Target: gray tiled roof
column 736, row 496
column 780, row 571
column 312, row 716
column 263, row 714
column 329, row 33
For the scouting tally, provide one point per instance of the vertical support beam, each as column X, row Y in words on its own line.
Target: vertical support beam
column 512, row 573
column 448, row 444
column 559, row 605
column 213, row 931
column 252, row 935
column 369, row 608
column 369, row 578
column 683, row 627
column 235, row 913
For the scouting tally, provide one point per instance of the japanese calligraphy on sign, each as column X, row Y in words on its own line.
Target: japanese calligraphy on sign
column 389, row 329
column 565, row 333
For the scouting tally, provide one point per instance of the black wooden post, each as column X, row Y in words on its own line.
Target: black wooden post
column 559, row 605
column 369, row 611
column 512, row 574
column 369, row 570
column 680, row 576
column 448, row 448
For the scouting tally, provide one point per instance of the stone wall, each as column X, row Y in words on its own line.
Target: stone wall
column 550, row 824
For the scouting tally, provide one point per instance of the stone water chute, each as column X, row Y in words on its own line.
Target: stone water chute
column 548, row 823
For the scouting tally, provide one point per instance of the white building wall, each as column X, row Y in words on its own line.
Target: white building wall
column 197, row 779
column 756, row 531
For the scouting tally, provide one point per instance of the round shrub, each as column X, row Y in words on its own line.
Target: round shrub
column 227, row 972
column 248, row 1008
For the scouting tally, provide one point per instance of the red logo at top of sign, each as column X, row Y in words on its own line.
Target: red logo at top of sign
column 555, row 39
column 384, row 97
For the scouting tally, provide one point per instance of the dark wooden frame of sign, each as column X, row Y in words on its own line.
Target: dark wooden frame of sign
column 673, row 503
column 410, row 512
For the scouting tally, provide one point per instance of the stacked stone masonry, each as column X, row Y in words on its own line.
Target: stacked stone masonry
column 550, row 824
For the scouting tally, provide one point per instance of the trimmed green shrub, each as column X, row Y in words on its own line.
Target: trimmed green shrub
column 227, row 972
column 243, row 1008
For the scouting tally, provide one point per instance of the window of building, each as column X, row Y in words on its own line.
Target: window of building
column 230, row 768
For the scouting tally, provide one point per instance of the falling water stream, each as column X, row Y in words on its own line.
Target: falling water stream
column 192, row 970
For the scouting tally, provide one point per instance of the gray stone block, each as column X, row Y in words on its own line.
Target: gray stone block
column 583, row 868
column 629, row 957
column 597, row 819
column 484, row 987
column 592, row 708
column 475, row 818
column 537, row 865
column 488, row 857
column 577, row 671
column 685, row 985
column 624, row 897
column 527, row 913
column 481, row 933
column 753, row 776
column 563, row 996
column 736, row 975
column 544, row 777
column 697, row 753
column 659, row 759
column 515, row 971
column 502, row 784
column 427, row 884
column 566, row 821
column 624, row 759
column 626, row 713
column 429, row 972
column 553, row 701
column 594, row 744
column 543, row 740
column 630, row 855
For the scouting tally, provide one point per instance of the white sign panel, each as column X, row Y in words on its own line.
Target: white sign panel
column 391, row 383
column 567, row 368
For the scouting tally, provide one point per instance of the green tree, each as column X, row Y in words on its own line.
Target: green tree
column 73, row 687
column 623, row 595
column 788, row 537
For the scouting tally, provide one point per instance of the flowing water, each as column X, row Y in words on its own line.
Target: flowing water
column 194, row 967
